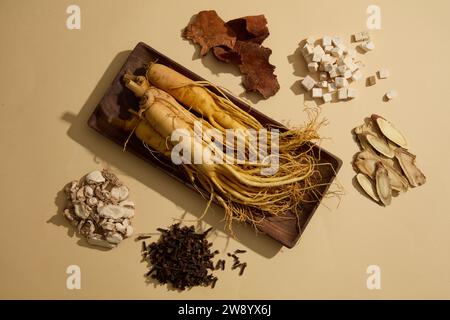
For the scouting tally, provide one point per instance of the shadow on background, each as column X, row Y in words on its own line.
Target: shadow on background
column 155, row 179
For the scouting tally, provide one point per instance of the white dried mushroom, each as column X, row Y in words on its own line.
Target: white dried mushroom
column 99, row 208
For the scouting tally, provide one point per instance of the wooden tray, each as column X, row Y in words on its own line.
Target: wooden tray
column 118, row 99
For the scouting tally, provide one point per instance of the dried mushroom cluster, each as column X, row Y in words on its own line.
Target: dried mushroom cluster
column 99, row 209
column 385, row 166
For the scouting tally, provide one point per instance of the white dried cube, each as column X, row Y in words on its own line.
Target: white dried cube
column 351, row 93
column 352, row 67
column 324, row 84
column 391, row 94
column 336, row 40
column 367, row 46
column 327, row 67
column 318, row 49
column 342, row 94
column 327, row 97
column 333, row 73
column 326, row 58
column 347, row 74
column 342, row 46
column 340, row 61
column 317, row 57
column 361, row 36
column 357, row 75
column 326, row 41
column 341, row 70
column 313, row 66
column 331, row 87
column 341, row 82
column 383, row 74
column 317, row 92
column 308, row 83
column 337, row 52
column 308, row 49
column 328, row 49
column 323, row 76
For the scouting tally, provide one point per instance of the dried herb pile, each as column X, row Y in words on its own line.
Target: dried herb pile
column 183, row 258
column 238, row 41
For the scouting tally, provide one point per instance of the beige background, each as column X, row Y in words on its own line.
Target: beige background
column 52, row 78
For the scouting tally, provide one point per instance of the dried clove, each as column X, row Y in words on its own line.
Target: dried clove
column 243, row 266
column 143, row 236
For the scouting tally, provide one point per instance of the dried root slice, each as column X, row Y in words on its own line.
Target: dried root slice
column 384, row 154
column 390, row 132
column 366, row 162
column 383, row 186
column 379, row 144
column 368, row 186
column 392, row 145
column 408, row 164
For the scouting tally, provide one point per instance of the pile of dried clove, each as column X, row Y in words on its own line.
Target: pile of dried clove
column 181, row 257
column 385, row 166
column 97, row 206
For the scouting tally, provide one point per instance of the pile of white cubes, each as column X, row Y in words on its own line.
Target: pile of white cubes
column 333, row 66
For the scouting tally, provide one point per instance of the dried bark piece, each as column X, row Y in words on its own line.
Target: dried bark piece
column 251, row 28
column 368, row 186
column 227, row 55
column 247, row 29
column 408, row 164
column 258, row 72
column 209, row 30
column 238, row 41
column 390, row 131
column 383, row 186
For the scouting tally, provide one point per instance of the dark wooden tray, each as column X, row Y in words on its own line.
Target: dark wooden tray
column 285, row 229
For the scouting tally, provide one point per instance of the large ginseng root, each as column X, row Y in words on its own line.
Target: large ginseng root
column 240, row 189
